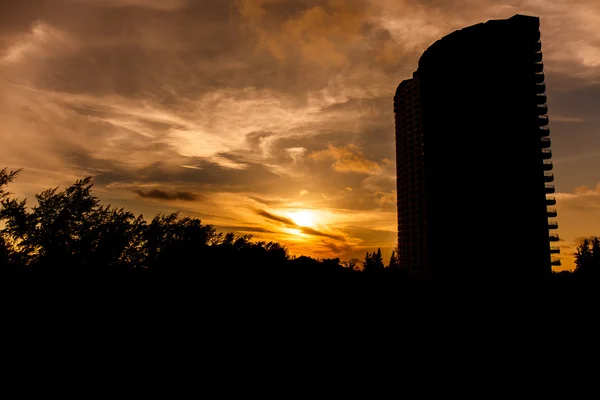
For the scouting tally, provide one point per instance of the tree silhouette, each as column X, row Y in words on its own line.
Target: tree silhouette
column 373, row 262
column 595, row 259
column 587, row 258
column 12, row 217
column 583, row 257
column 69, row 231
column 350, row 265
column 394, row 261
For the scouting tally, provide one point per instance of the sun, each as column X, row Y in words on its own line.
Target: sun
column 303, row 218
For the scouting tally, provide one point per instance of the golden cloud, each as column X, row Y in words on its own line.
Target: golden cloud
column 347, row 159
column 384, row 198
column 319, row 34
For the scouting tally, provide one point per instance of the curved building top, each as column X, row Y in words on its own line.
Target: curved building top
column 518, row 22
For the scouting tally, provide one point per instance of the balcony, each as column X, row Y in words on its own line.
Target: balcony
column 552, row 213
column 548, row 177
column 537, row 47
column 538, row 68
column 555, row 263
column 544, row 131
column 549, row 189
column 546, row 154
column 539, row 78
column 548, row 165
column 543, row 120
column 541, row 99
column 550, row 201
column 542, row 109
column 553, row 238
column 554, row 250
column 540, row 88
column 546, row 143
column 538, row 57
column 552, row 225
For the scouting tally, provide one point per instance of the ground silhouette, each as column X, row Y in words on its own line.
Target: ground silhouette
column 70, row 234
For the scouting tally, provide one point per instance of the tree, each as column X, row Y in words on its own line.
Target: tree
column 6, row 178
column 595, row 259
column 12, row 213
column 378, row 260
column 583, row 257
column 350, row 265
column 373, row 261
column 70, row 231
column 394, row 261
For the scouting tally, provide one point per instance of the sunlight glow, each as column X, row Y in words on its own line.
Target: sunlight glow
column 303, row 218
column 294, row 232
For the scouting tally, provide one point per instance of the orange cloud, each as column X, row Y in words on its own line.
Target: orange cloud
column 320, row 34
column 347, row 159
column 166, row 5
column 384, row 198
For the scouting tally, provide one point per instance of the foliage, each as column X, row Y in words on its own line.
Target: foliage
column 373, row 262
column 70, row 230
column 394, row 261
column 587, row 257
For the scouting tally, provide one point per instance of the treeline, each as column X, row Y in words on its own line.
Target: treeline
column 71, row 231
column 587, row 258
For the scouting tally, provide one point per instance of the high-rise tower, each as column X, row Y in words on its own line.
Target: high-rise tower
column 473, row 156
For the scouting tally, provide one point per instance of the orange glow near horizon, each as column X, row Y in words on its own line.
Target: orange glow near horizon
column 304, row 218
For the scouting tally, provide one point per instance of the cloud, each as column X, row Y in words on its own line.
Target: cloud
column 291, row 224
column 314, row 232
column 563, row 118
column 338, row 249
column 582, row 190
column 296, row 153
column 234, row 228
column 166, row 5
column 590, row 239
column 160, row 194
column 371, row 237
column 582, row 199
column 41, row 41
column 318, row 32
column 384, row 198
column 258, row 100
column 276, row 218
column 347, row 159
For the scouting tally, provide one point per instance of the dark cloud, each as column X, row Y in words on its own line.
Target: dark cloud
column 264, row 201
column 205, row 176
column 276, row 218
column 338, row 249
column 169, row 195
column 314, row 232
column 244, row 229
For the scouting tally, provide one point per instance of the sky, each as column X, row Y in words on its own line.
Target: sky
column 265, row 117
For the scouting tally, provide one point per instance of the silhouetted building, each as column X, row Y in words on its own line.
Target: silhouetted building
column 473, row 155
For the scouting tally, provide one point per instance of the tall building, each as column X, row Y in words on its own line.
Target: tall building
column 473, row 156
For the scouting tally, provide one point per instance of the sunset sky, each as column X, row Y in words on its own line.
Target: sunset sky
column 266, row 117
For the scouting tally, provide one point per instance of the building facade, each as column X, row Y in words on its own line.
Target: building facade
column 474, row 170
